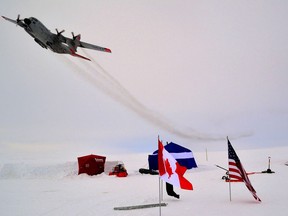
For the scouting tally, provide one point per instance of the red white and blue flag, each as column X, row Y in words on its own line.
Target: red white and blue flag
column 170, row 170
column 237, row 172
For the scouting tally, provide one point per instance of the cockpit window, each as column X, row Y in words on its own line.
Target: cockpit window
column 34, row 20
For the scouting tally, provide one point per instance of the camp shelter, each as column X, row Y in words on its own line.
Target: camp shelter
column 183, row 156
column 91, row 164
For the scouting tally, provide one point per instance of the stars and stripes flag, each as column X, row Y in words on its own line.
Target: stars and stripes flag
column 170, row 170
column 237, row 172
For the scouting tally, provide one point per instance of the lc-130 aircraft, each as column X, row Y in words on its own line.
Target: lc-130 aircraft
column 55, row 42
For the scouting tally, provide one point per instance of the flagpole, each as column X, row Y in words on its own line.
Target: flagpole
column 159, row 180
column 229, row 176
column 159, row 197
column 161, row 190
column 230, row 190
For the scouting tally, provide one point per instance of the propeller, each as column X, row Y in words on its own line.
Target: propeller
column 74, row 37
column 18, row 20
column 59, row 33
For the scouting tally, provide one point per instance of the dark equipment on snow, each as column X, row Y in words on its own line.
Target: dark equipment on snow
column 269, row 171
column 148, row 171
column 226, row 177
column 119, row 170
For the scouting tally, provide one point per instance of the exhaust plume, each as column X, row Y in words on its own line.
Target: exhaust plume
column 104, row 81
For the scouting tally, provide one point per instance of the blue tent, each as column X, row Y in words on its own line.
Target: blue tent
column 183, row 156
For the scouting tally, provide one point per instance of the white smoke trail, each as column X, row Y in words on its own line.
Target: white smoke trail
column 96, row 82
column 108, row 84
column 104, row 81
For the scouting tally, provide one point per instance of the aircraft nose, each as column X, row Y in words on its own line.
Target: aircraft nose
column 27, row 21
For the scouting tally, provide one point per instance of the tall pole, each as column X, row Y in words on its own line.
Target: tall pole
column 159, row 180
column 229, row 175
column 230, row 190
column 161, row 190
column 159, row 197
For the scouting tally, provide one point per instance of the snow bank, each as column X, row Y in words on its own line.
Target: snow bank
column 56, row 189
column 24, row 170
column 52, row 171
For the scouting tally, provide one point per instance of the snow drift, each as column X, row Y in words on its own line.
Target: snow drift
column 55, row 189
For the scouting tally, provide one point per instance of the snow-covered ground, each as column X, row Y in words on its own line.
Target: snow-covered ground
column 50, row 188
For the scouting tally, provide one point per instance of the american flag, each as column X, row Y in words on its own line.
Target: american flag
column 237, row 172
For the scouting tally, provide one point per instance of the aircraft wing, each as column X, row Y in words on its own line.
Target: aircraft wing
column 16, row 22
column 76, row 42
column 94, row 47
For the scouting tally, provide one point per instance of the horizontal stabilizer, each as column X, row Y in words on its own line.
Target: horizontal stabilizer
column 73, row 53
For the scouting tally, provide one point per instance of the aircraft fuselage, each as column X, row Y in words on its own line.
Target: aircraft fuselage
column 44, row 37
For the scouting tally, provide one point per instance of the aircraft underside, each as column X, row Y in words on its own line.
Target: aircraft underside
column 40, row 43
column 55, row 42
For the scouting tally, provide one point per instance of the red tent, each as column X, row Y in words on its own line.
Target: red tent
column 91, row 164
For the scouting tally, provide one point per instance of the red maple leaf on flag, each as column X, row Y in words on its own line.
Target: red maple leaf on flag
column 168, row 168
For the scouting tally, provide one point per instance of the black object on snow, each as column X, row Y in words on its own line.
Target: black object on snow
column 148, row 171
column 170, row 191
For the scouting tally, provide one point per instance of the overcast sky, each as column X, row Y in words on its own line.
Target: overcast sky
column 193, row 72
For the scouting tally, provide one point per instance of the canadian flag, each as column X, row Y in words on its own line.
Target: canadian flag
column 170, row 170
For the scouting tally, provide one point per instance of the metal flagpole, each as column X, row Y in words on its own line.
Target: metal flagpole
column 161, row 190
column 230, row 189
column 159, row 181
column 159, row 197
column 229, row 174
